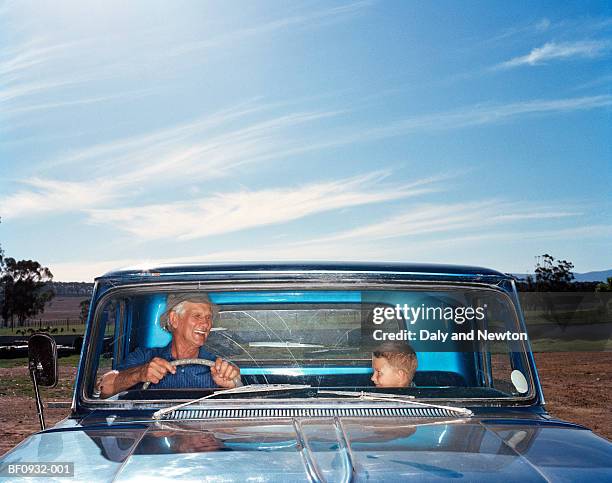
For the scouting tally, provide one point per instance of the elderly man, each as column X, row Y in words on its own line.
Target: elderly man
column 189, row 318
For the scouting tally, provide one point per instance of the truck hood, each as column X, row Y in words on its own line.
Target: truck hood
column 334, row 449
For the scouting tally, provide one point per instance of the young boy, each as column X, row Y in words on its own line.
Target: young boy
column 394, row 365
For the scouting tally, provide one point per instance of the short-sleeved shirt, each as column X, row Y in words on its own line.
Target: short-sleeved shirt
column 188, row 376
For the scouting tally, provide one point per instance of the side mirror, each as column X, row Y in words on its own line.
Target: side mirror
column 42, row 355
column 42, row 364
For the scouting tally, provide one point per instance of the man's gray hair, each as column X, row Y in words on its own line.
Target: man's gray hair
column 179, row 308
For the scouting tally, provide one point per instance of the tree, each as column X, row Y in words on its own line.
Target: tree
column 553, row 276
column 84, row 310
column 604, row 291
column 26, row 289
column 605, row 287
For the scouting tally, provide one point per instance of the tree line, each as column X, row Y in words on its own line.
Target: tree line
column 72, row 289
column 552, row 275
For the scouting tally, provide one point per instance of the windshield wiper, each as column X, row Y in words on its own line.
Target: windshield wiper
column 251, row 388
column 334, row 349
column 372, row 396
column 283, row 344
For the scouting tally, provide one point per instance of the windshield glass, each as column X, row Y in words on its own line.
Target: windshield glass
column 451, row 343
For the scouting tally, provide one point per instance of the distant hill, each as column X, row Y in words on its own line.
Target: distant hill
column 598, row 276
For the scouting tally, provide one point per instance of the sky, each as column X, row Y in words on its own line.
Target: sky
column 136, row 133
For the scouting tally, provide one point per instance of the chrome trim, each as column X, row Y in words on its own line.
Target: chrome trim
column 307, row 412
column 314, row 475
column 344, row 445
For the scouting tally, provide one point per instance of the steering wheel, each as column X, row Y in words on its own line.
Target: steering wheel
column 201, row 362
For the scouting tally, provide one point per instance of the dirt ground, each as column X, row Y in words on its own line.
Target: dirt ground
column 577, row 387
column 18, row 417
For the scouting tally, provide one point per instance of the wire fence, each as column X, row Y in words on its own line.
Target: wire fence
column 68, row 322
column 66, row 325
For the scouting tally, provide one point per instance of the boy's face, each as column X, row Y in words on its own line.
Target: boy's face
column 385, row 375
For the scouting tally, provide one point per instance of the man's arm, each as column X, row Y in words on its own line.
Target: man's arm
column 114, row 382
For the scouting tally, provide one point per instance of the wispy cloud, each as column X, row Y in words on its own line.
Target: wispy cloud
column 543, row 25
column 166, row 158
column 460, row 225
column 465, row 117
column 17, row 60
column 582, row 232
column 32, row 107
column 246, row 134
column 447, row 218
column 229, row 212
column 180, row 148
column 560, row 28
column 12, row 93
column 32, row 75
column 419, row 249
column 424, row 249
column 520, row 31
column 311, row 19
column 37, row 66
column 251, row 139
column 598, row 81
column 588, row 49
column 475, row 115
column 55, row 196
column 87, row 270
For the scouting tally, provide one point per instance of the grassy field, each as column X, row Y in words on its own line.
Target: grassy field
column 71, row 361
column 62, row 313
column 566, row 308
column 18, row 383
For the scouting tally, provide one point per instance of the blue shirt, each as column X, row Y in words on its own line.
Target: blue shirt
column 188, row 376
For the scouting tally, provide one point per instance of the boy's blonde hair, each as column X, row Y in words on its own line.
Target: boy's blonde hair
column 399, row 354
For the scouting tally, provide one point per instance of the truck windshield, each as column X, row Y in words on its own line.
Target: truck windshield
column 443, row 343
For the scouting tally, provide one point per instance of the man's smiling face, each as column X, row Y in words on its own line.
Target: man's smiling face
column 193, row 324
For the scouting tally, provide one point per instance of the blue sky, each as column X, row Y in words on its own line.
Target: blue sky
column 446, row 132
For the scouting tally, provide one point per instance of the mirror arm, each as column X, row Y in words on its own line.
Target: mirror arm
column 39, row 405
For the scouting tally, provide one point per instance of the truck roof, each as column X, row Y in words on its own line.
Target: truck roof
column 194, row 269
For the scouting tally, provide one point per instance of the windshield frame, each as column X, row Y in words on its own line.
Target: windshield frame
column 82, row 400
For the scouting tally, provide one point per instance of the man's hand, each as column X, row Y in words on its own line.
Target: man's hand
column 155, row 370
column 224, row 373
